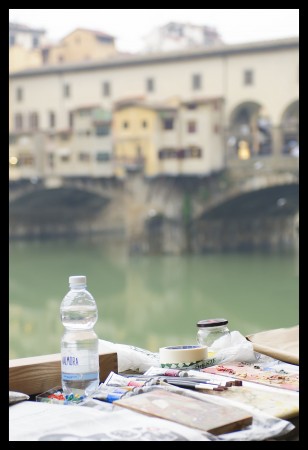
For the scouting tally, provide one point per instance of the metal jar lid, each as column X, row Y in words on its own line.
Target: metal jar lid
column 211, row 323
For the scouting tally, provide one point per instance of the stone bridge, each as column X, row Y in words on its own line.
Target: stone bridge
column 169, row 208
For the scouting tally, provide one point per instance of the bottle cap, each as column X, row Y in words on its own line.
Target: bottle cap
column 211, row 323
column 77, row 280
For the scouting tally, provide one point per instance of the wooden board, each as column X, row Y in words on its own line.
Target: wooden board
column 188, row 411
column 38, row 374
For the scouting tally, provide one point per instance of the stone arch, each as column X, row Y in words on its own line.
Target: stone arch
column 290, row 127
column 250, row 126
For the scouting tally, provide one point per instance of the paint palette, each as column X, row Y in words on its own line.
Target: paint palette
column 257, row 374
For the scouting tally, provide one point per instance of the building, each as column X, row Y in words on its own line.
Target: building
column 180, row 36
column 24, row 46
column 29, row 47
column 81, row 45
column 257, row 105
column 24, row 36
column 162, row 139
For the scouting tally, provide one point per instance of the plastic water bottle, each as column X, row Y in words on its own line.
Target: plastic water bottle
column 79, row 344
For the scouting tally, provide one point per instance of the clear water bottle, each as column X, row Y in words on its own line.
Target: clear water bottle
column 79, row 344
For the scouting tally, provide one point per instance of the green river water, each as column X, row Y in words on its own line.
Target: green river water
column 146, row 301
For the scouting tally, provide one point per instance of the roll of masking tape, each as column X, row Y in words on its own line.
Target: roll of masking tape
column 182, row 356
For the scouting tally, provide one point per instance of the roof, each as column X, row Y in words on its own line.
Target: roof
column 14, row 26
column 163, row 106
column 202, row 101
column 94, row 32
column 162, row 57
column 86, row 107
column 152, row 106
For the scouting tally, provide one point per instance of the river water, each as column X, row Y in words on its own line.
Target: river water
column 146, row 301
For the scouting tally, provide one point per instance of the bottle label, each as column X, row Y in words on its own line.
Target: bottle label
column 79, row 376
column 81, row 361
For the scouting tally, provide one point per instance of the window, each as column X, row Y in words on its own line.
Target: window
column 167, row 153
column 102, row 156
column 168, row 123
column 248, row 77
column 18, row 122
column 26, row 159
column 150, row 85
column 193, row 152
column 66, row 90
column 84, row 112
column 191, row 105
column 83, row 133
column 52, row 119
column 216, row 105
column 35, row 42
column 191, row 126
column 196, row 81
column 12, row 139
column 106, row 89
column 19, row 94
column 104, row 39
column 85, row 157
column 64, row 136
column 70, row 119
column 12, row 40
column 102, row 129
column 45, row 54
column 33, row 121
column 51, row 160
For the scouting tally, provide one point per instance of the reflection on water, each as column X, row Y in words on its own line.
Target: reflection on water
column 146, row 301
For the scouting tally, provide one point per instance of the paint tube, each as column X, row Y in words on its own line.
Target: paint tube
column 114, row 379
column 109, row 395
column 156, row 371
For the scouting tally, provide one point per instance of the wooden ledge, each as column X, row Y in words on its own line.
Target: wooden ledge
column 38, row 374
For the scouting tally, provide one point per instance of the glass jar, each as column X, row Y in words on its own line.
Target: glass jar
column 210, row 330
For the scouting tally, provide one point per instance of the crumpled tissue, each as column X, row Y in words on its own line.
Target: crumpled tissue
column 140, row 360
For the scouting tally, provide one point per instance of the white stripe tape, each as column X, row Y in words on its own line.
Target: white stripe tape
column 188, row 354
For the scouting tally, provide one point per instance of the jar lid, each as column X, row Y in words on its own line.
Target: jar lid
column 212, row 322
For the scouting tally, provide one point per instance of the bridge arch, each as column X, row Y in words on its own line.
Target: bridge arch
column 39, row 197
column 272, row 200
column 290, row 126
column 58, row 211
column 265, row 218
column 250, row 123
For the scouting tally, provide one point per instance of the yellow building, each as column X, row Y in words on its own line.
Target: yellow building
column 21, row 58
column 134, row 127
column 82, row 45
column 160, row 139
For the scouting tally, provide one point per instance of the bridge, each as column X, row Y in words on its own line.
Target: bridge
column 258, row 188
